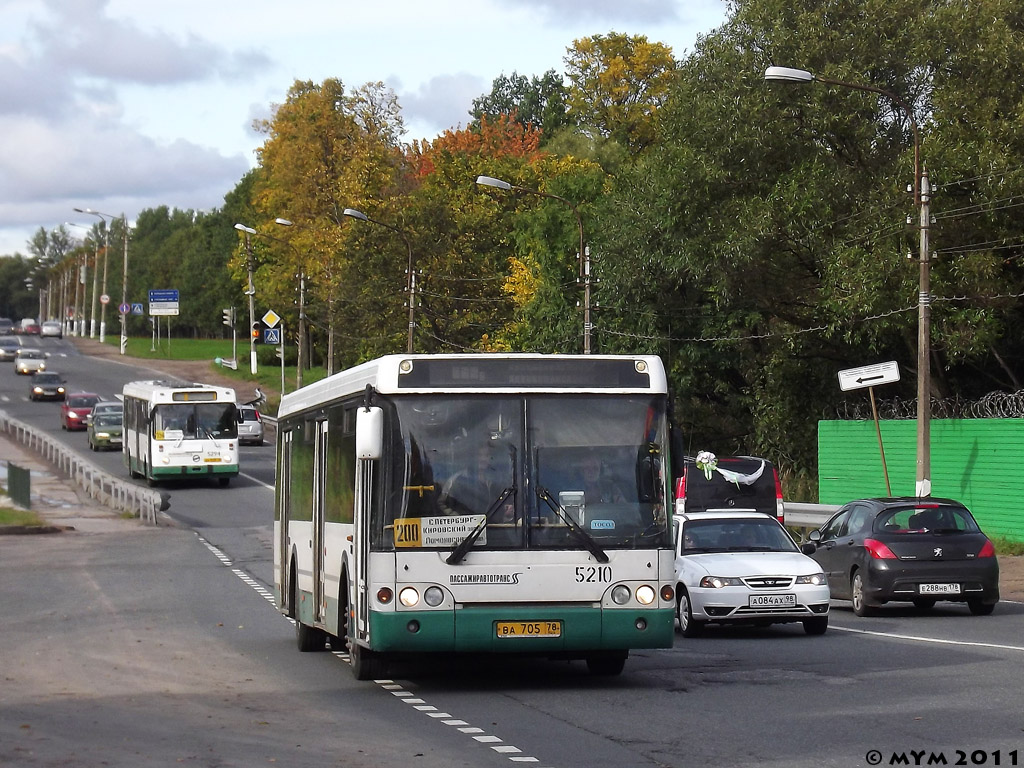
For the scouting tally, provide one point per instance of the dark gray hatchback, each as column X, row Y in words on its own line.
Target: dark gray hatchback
column 46, row 385
column 874, row 551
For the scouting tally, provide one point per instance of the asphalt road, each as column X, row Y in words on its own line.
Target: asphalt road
column 158, row 646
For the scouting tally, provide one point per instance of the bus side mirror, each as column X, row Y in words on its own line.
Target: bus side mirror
column 648, row 473
column 369, row 433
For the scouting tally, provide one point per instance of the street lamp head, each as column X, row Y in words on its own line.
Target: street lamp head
column 243, row 228
column 355, row 214
column 490, row 181
column 283, row 222
column 789, row 75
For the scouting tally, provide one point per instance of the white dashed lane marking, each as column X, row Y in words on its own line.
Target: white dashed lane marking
column 479, row 735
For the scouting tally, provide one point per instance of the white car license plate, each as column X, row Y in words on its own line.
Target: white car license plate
column 938, row 589
column 771, row 601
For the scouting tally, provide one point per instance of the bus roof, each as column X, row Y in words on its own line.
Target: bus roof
column 491, row 373
column 163, row 390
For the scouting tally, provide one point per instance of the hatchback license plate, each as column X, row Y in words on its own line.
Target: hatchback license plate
column 507, row 629
column 771, row 601
column 939, row 589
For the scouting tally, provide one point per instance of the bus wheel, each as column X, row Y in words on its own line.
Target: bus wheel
column 606, row 665
column 307, row 638
column 366, row 664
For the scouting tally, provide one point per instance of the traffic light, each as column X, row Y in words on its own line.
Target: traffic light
column 229, row 317
column 256, row 331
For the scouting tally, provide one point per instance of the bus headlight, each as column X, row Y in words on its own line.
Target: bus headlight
column 621, row 594
column 645, row 595
column 408, row 597
column 385, row 595
column 433, row 596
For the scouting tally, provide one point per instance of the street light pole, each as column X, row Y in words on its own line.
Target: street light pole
column 583, row 255
column 301, row 362
column 251, row 293
column 106, row 253
column 410, row 283
column 922, row 199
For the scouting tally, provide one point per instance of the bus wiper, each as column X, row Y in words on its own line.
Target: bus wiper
column 459, row 553
column 588, row 541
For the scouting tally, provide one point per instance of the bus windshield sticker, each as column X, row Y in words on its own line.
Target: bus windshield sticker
column 436, row 531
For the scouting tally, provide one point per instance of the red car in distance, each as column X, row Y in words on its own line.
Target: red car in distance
column 74, row 409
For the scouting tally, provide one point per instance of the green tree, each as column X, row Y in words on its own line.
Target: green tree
column 535, row 102
column 617, row 84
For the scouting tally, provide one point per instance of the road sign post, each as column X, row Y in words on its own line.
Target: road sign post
column 871, row 376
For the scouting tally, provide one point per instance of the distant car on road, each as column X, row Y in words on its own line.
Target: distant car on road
column 9, row 346
column 28, row 360
column 921, row 551
column 6, row 326
column 250, row 425
column 29, row 327
column 105, row 406
column 105, row 431
column 744, row 568
column 47, row 385
column 74, row 409
column 52, row 328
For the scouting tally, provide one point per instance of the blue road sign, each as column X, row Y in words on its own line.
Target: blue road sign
column 168, row 294
column 271, row 335
column 137, row 308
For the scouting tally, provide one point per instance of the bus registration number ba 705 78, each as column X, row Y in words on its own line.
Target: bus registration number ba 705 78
column 506, row 629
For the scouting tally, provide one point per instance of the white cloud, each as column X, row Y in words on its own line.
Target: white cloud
column 121, row 105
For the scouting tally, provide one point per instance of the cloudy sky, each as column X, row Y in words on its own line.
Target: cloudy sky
column 122, row 105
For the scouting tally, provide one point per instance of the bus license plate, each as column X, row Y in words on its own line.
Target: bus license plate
column 939, row 589
column 507, row 629
column 772, row 601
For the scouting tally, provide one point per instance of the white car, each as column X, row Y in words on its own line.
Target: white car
column 52, row 328
column 744, row 567
column 28, row 360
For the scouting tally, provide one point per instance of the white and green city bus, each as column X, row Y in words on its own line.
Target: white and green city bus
column 376, row 550
column 175, row 430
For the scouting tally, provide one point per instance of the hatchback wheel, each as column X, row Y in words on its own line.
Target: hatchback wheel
column 979, row 608
column 860, row 603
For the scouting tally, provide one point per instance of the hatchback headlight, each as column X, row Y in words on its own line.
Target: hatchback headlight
column 717, row 582
column 817, row 579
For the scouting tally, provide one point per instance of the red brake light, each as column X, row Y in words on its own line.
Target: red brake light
column 778, row 485
column 987, row 550
column 878, row 550
column 681, row 487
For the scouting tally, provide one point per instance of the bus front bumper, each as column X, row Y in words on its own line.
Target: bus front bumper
column 474, row 629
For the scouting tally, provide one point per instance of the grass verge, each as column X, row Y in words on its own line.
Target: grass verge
column 12, row 516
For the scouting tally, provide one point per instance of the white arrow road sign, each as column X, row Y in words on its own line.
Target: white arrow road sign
column 869, row 376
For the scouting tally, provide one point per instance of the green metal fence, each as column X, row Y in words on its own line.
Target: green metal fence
column 979, row 462
column 19, row 485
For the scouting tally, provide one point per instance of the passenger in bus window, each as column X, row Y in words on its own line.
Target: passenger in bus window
column 474, row 490
column 596, row 483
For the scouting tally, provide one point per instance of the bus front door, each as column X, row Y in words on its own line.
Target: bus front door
column 319, row 495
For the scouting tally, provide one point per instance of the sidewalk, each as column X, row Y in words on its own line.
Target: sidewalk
column 55, row 499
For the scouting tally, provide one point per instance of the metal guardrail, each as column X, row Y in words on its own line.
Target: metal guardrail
column 98, row 484
column 806, row 517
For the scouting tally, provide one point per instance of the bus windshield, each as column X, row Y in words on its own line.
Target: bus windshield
column 526, row 471
column 191, row 421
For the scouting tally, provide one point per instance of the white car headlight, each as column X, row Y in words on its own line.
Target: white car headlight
column 717, row 582
column 817, row 579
